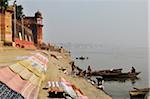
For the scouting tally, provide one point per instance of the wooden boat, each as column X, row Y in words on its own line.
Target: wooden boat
column 81, row 58
column 133, row 80
column 116, row 74
column 139, row 92
column 107, row 71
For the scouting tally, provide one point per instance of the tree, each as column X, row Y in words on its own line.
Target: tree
column 19, row 12
column 3, row 5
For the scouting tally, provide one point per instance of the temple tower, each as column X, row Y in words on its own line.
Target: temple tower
column 39, row 26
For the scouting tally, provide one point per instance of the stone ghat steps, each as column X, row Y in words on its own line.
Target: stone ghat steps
column 24, row 77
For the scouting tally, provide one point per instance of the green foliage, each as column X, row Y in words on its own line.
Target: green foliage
column 19, row 12
column 3, row 5
column 19, row 9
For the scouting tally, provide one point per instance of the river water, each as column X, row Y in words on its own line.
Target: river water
column 115, row 57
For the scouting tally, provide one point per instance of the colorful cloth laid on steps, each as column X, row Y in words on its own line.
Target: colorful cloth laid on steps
column 16, row 83
column 23, row 79
column 66, row 87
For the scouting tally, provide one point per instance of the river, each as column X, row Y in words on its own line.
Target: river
column 115, row 57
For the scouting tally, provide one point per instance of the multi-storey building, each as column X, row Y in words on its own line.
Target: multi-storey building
column 28, row 30
column 35, row 24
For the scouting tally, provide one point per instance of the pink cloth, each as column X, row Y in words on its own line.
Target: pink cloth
column 15, row 82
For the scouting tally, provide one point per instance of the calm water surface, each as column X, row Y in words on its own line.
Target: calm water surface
column 107, row 58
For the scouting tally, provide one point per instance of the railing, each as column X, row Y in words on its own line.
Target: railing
column 25, row 28
column 23, row 40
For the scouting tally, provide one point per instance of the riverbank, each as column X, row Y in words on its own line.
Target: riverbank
column 57, row 60
column 53, row 74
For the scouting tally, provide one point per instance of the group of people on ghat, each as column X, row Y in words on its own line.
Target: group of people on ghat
column 78, row 71
column 87, row 74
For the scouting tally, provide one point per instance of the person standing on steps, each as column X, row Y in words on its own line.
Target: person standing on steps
column 73, row 67
column 133, row 70
column 89, row 71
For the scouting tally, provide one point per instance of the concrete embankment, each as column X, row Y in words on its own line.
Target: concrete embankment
column 29, row 81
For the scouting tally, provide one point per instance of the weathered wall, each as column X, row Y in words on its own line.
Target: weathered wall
column 6, row 27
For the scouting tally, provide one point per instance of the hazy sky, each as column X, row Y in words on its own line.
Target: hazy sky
column 118, row 22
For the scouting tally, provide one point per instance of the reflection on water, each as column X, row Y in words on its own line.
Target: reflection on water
column 122, row 80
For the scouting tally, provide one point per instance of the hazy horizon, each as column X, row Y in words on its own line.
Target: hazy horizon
column 110, row 22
